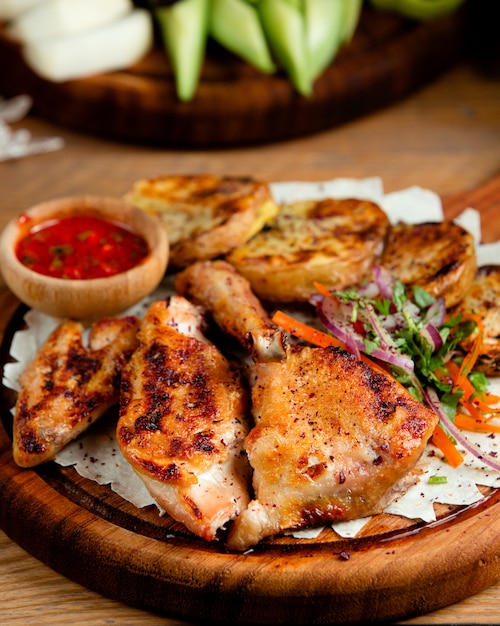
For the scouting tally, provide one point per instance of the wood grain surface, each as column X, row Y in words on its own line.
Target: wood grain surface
column 447, row 138
column 388, row 58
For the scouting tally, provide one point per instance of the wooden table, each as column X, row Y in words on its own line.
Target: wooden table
column 446, row 138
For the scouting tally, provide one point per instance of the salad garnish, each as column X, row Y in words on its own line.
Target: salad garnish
column 409, row 333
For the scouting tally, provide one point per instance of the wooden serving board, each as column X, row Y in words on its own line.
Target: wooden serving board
column 388, row 58
column 395, row 569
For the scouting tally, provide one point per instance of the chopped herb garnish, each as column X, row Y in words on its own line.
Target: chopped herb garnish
column 416, row 341
column 437, row 480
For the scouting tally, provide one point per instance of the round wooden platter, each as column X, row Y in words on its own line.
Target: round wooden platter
column 388, row 58
column 394, row 569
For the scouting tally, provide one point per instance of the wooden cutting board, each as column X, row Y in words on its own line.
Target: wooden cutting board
column 395, row 569
column 388, row 58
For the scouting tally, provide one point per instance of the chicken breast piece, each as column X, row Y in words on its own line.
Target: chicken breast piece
column 483, row 299
column 332, row 437
column 205, row 216
column 183, row 420
column 439, row 257
column 219, row 288
column 68, row 386
column 334, row 242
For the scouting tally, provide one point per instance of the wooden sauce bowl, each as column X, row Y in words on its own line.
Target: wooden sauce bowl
column 93, row 298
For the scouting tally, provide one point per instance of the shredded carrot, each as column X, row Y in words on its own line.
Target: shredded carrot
column 304, row 331
column 454, row 373
column 467, row 422
column 447, row 447
column 316, row 337
column 468, row 400
column 491, row 399
column 473, row 410
column 471, row 358
column 324, row 291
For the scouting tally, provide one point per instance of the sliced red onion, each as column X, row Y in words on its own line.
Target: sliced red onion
column 436, row 313
column 370, row 290
column 433, row 401
column 393, row 322
column 383, row 280
column 344, row 331
column 411, row 309
column 385, row 339
column 433, row 336
column 395, row 358
column 328, row 314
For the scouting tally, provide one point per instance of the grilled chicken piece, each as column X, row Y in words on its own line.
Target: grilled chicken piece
column 67, row 387
column 334, row 242
column 219, row 288
column 332, row 437
column 183, row 420
column 483, row 299
column 439, row 257
column 205, row 216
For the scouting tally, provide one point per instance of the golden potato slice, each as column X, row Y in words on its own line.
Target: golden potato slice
column 205, row 216
column 440, row 257
column 483, row 299
column 330, row 241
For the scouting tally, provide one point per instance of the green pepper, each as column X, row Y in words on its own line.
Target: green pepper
column 352, row 13
column 324, row 24
column 235, row 24
column 283, row 23
column 184, row 28
column 418, row 9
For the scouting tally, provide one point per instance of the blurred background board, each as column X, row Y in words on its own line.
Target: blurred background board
column 388, row 58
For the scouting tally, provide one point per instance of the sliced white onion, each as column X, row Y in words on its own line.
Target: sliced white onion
column 10, row 9
column 61, row 18
column 104, row 49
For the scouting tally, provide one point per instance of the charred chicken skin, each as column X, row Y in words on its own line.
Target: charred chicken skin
column 333, row 435
column 67, row 386
column 183, row 420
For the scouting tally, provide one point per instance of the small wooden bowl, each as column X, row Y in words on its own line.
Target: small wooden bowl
column 88, row 299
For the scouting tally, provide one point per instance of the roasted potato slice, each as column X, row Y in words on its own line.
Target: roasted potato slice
column 205, row 216
column 440, row 257
column 330, row 241
column 483, row 299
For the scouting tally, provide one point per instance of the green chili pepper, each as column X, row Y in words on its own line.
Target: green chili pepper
column 235, row 24
column 352, row 13
column 284, row 26
column 324, row 24
column 184, row 28
column 418, row 9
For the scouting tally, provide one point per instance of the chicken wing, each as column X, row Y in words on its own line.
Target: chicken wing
column 67, row 386
column 183, row 420
column 332, row 437
column 219, row 288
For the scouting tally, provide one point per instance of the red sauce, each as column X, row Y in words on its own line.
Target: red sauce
column 81, row 247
